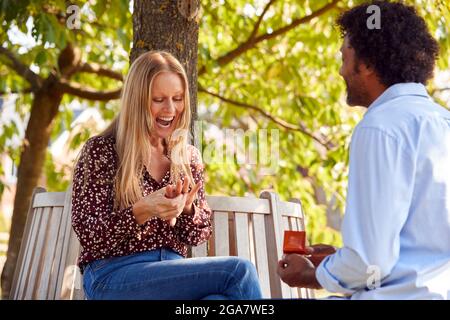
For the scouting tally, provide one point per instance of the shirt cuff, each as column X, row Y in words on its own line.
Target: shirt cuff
column 328, row 281
column 195, row 220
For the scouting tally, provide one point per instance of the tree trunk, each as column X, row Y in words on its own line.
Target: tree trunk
column 169, row 25
column 43, row 111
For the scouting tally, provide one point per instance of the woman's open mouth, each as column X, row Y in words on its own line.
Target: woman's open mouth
column 164, row 122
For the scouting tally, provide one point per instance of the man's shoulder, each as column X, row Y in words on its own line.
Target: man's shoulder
column 407, row 120
column 403, row 115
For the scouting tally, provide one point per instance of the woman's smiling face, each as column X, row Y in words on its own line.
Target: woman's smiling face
column 167, row 104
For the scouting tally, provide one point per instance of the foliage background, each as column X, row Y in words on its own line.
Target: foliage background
column 289, row 82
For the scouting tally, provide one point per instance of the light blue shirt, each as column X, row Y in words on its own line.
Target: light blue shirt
column 396, row 227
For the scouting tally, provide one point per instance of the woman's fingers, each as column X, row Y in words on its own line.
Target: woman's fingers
column 173, row 191
column 176, row 203
column 194, row 190
column 185, row 185
column 191, row 195
column 181, row 187
column 178, row 197
column 178, row 188
column 169, row 192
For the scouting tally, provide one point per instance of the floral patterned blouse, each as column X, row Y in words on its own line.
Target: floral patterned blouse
column 107, row 232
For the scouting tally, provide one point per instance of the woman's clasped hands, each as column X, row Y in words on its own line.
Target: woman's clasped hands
column 166, row 203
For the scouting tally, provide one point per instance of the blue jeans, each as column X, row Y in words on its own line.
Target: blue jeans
column 164, row 274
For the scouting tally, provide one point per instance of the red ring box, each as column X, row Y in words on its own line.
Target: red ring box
column 294, row 242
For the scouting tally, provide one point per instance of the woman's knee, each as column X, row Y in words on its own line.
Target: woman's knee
column 244, row 267
column 246, row 278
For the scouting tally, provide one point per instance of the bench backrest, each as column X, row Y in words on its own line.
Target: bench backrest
column 46, row 266
column 253, row 228
column 243, row 226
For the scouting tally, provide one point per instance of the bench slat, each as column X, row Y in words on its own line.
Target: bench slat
column 69, row 253
column 49, row 199
column 48, row 254
column 71, row 266
column 289, row 209
column 221, row 239
column 37, row 253
column 30, row 241
column 71, row 285
column 261, row 253
column 242, row 235
column 251, row 241
column 200, row 250
column 60, row 255
column 238, row 204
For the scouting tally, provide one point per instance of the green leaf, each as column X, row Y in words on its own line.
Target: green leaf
column 41, row 57
column 123, row 39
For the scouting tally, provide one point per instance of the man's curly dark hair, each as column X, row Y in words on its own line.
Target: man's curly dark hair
column 402, row 50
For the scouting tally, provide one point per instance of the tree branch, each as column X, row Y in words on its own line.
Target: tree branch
column 297, row 22
column 88, row 93
column 22, row 70
column 252, row 41
column 284, row 124
column 260, row 19
column 101, row 71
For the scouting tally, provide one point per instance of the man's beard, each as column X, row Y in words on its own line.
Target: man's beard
column 356, row 96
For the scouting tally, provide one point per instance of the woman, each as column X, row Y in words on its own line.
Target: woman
column 138, row 199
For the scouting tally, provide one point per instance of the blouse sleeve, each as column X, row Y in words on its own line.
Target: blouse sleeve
column 97, row 225
column 195, row 229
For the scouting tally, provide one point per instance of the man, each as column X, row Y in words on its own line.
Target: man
column 396, row 229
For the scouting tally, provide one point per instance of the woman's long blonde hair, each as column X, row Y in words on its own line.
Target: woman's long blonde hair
column 133, row 126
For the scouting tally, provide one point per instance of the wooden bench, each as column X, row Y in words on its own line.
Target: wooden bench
column 243, row 226
column 46, row 267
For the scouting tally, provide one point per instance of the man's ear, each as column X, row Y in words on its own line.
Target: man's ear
column 366, row 69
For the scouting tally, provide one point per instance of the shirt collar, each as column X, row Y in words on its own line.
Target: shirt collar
column 397, row 90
